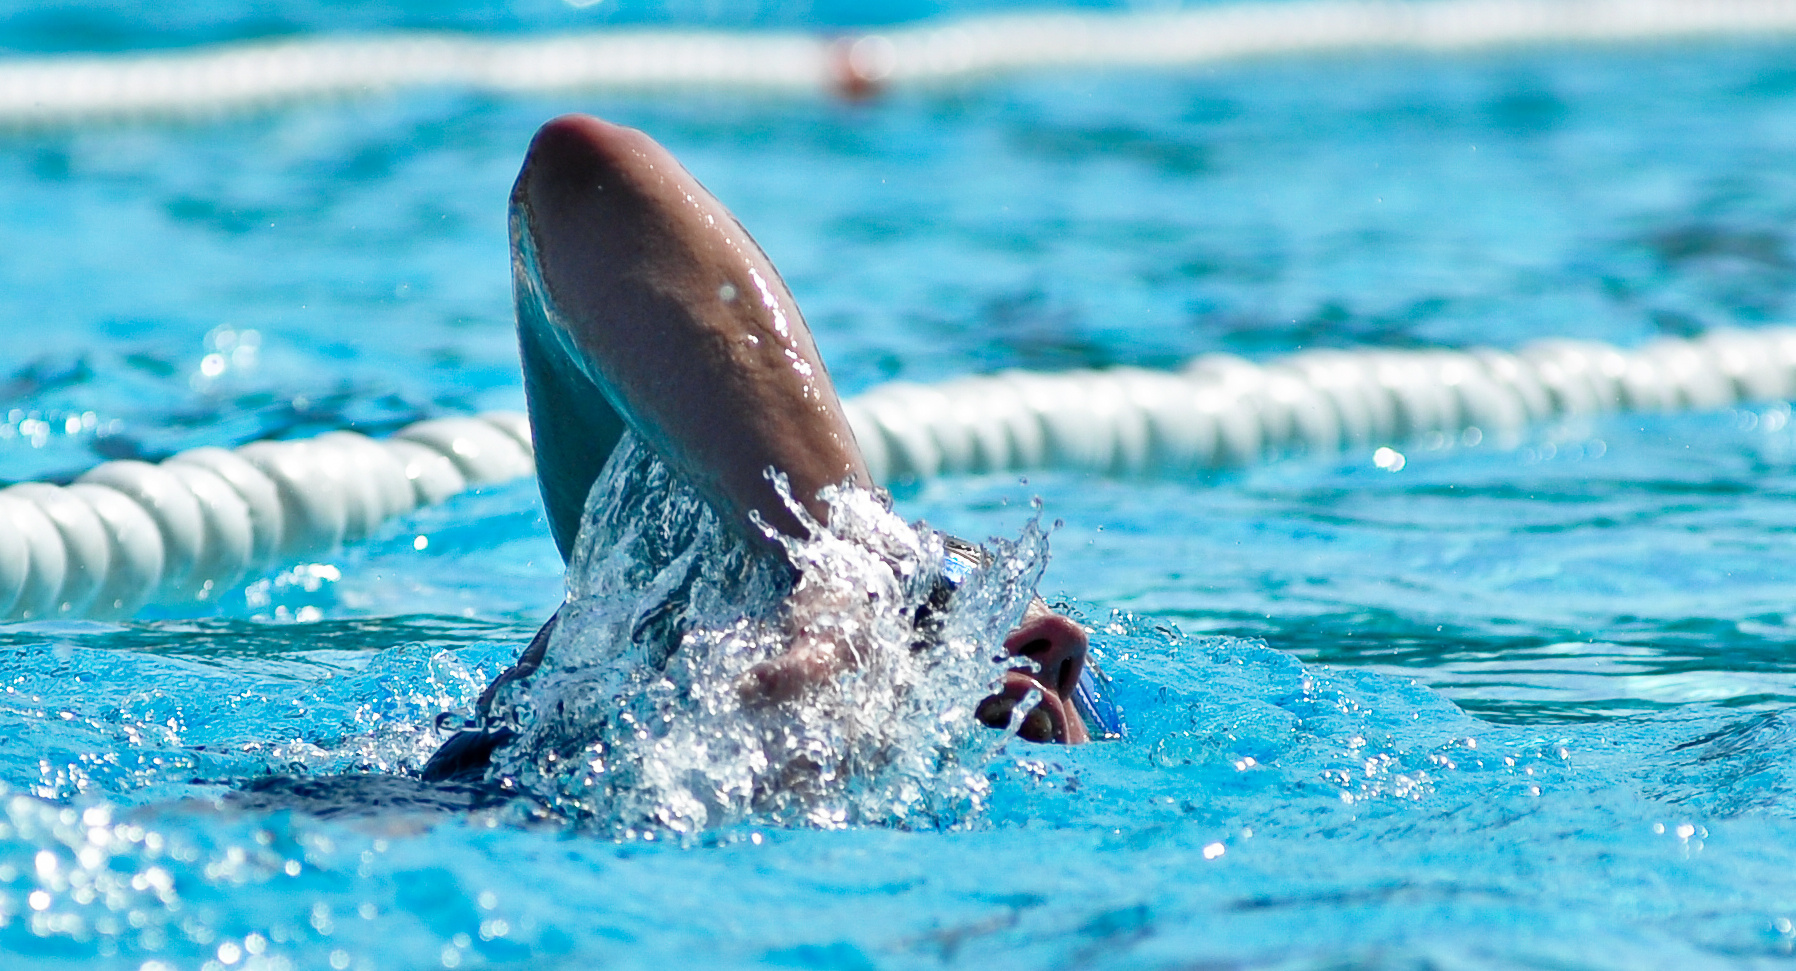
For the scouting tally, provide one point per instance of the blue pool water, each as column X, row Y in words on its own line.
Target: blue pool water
column 1519, row 704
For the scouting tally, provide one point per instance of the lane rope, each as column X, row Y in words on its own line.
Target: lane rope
column 191, row 528
column 1222, row 411
column 206, row 81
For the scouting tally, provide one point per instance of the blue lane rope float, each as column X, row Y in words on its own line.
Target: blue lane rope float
column 192, row 527
column 71, row 89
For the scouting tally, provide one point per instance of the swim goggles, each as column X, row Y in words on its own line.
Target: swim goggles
column 1092, row 697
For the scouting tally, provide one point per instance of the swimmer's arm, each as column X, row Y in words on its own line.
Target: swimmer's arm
column 657, row 298
column 682, row 322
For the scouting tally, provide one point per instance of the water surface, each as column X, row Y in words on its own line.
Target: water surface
column 1520, row 704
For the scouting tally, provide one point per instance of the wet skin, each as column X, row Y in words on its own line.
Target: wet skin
column 643, row 303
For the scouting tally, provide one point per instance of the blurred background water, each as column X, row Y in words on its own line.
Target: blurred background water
column 1518, row 704
column 101, row 25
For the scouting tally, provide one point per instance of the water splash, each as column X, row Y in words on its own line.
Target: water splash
column 638, row 717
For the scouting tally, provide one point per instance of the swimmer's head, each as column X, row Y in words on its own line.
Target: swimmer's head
column 1074, row 704
column 1058, row 647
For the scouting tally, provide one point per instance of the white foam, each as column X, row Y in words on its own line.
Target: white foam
column 638, row 718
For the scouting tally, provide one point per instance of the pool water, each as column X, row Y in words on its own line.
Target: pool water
column 1521, row 703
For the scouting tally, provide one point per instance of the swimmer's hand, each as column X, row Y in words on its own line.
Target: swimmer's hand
column 826, row 634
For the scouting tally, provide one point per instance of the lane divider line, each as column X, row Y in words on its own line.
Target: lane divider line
column 207, row 81
column 190, row 528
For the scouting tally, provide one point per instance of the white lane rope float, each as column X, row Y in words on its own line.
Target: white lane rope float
column 188, row 529
column 199, row 82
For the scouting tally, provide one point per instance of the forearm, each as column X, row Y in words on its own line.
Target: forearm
column 657, row 295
